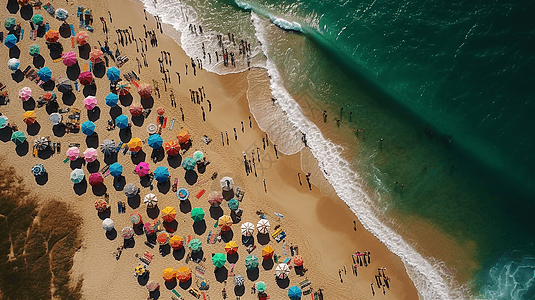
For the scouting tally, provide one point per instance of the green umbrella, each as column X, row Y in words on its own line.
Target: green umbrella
column 35, row 50
column 18, row 137
column 251, row 262
column 189, row 164
column 195, row 245
column 219, row 260
column 197, row 214
column 37, row 19
column 3, row 122
column 10, row 23
column 233, row 204
column 261, row 286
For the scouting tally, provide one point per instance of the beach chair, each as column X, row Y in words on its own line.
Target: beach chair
column 239, row 194
column 205, row 139
column 303, row 284
column 195, row 293
column 176, row 293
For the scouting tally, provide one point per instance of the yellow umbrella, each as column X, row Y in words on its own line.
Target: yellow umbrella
column 231, row 247
column 225, row 222
column 135, row 144
column 169, row 274
column 176, row 242
column 29, row 117
column 267, row 252
column 140, row 270
column 168, row 214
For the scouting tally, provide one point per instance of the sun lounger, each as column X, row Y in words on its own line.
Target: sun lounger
column 205, row 139
column 209, row 236
column 239, row 194
column 212, row 239
column 305, row 283
column 194, row 292
column 176, row 293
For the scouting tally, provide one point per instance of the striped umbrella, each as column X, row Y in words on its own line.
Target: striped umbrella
column 127, row 233
column 239, row 280
column 77, row 175
column 38, row 170
column 135, row 218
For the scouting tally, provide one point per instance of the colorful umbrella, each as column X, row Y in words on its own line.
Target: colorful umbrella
column 225, row 222
column 13, row 64
column 263, row 226
column 85, row 77
column 161, row 174
column 150, row 200
column 37, row 19
column 90, row 102
column 18, row 137
column 135, row 218
column 25, row 93
column 195, row 245
column 215, row 198
column 298, row 260
column 116, row 169
column 198, row 155
column 176, row 242
column 183, row 136
column 135, row 145
column 219, row 260
column 155, row 141
column 23, row 2
column 108, row 147
column 152, row 286
column 127, row 233
column 77, row 175
column 38, row 170
column 73, row 153
column 108, row 224
column 251, row 262
column 101, row 205
column 227, row 183
column 282, row 271
column 148, row 228
column 261, row 286
column 183, row 274
column 90, row 154
column 52, row 36
column 81, row 38
column 160, row 111
column 44, row 74
column 130, row 190
column 123, row 87
column 69, row 58
column 197, row 214
column 182, row 194
column 168, row 214
column 140, row 271
column 247, row 228
column 188, row 164
column 29, row 117
column 121, row 121
column 88, row 127
column 3, row 122
column 163, row 238
column 35, row 50
column 96, row 179
column 113, row 74
column 136, row 110
column 233, row 204
column 96, row 56
column 294, row 293
column 239, row 280
column 112, row 99
column 142, row 169
column 61, row 14
column 10, row 41
column 231, row 247
column 168, row 274
column 49, row 96
column 10, row 23
column 267, row 252
column 145, row 90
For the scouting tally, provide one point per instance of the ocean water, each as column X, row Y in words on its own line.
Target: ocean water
column 446, row 88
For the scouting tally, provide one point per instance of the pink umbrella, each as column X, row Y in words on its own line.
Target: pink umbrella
column 73, row 153
column 95, row 56
column 85, row 78
column 90, row 102
column 142, row 169
column 69, row 58
column 96, row 179
column 90, row 154
column 25, row 93
column 136, row 110
column 145, row 90
column 148, row 228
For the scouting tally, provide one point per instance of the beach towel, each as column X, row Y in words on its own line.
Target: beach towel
column 199, row 195
column 72, row 30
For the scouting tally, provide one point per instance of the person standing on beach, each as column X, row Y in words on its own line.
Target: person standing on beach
column 373, row 292
column 222, row 139
column 264, row 143
column 235, row 134
column 242, row 127
column 226, row 134
column 276, row 152
column 209, row 105
column 299, row 177
column 186, row 69
column 265, row 188
column 178, row 74
column 324, row 116
column 251, row 124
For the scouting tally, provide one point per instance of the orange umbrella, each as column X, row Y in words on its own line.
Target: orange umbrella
column 172, row 148
column 298, row 260
column 29, row 117
column 23, row 2
column 225, row 222
column 183, row 136
column 176, row 242
column 231, row 247
column 135, row 145
column 145, row 90
column 168, row 214
column 96, row 55
column 169, row 274
column 52, row 36
column 81, row 38
column 163, row 238
column 267, row 252
column 183, row 274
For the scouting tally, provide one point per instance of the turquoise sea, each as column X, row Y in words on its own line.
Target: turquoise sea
column 445, row 85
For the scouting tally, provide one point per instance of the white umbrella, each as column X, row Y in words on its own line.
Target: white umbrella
column 77, row 175
column 247, row 228
column 152, row 128
column 282, row 271
column 227, row 183
column 55, row 118
column 263, row 226
column 150, row 200
column 130, row 190
column 108, row 224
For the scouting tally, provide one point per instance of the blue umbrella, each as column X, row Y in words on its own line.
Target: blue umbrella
column 294, row 292
column 155, row 141
column 161, row 174
column 88, row 128
column 182, row 194
column 116, row 169
column 233, row 204
column 121, row 121
column 112, row 99
column 45, row 73
column 113, row 74
column 10, row 41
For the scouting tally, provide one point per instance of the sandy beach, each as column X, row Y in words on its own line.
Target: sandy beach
column 315, row 220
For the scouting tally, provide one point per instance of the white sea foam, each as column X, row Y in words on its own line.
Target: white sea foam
column 286, row 25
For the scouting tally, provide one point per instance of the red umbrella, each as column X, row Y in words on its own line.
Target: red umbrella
column 85, row 78
column 160, row 111
column 96, row 179
column 95, row 56
column 172, row 148
column 52, row 36
column 145, row 90
column 81, row 38
column 136, row 110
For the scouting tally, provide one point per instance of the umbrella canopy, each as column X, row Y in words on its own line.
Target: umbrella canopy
column 160, row 111
column 231, row 247
column 135, row 218
column 168, row 274
column 96, row 179
column 176, row 242
column 81, row 38
column 239, row 280
column 148, row 228
column 96, row 56
column 69, row 58
column 88, row 127
column 23, row 2
column 282, row 271
column 227, row 183
column 155, row 141
column 77, row 175
column 294, row 292
column 195, row 245
column 37, row 19
column 188, row 164
column 44, row 74
column 49, row 96
column 52, row 36
column 38, row 170
column 172, row 148
column 183, row 274
column 35, row 50
column 198, row 155
column 29, row 117
column 233, row 204
column 298, row 260
column 112, row 99
column 152, row 286
column 130, row 190
column 116, row 169
column 247, row 228
column 267, row 252
column 3, row 122
column 127, row 233
column 182, row 194
column 183, row 136
column 85, row 77
column 145, row 90
column 25, row 93
column 55, row 118
column 152, row 128
column 13, row 64
column 123, row 87
column 263, row 226
column 108, row 147
column 150, row 200
column 136, row 110
column 64, row 85
column 18, row 137
column 140, row 270
column 215, row 198
column 161, row 174
column 135, row 145
column 61, row 14
column 251, row 262
column 90, row 102
column 113, row 74
column 101, row 205
column 197, row 214
column 219, row 260
column 169, row 214
column 163, row 238
column 108, row 224
column 90, row 154
column 142, row 169
column 225, row 222
column 121, row 121
column 261, row 286
column 10, row 23
column 10, row 41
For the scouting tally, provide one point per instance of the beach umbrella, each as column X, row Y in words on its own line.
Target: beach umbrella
column 140, row 271
column 108, row 224
column 108, row 147
column 163, row 238
column 282, row 271
column 188, row 164
column 160, row 111
column 127, row 233
column 121, row 121
column 90, row 154
column 150, row 200
column 35, row 50
column 247, row 228
column 251, row 262
column 85, row 77
column 215, row 198
column 263, row 226
column 198, row 155
column 90, row 102
column 239, row 280
column 183, row 274
column 225, row 222
column 101, row 205
column 10, row 23
column 10, row 41
column 219, row 260
column 13, row 64
column 197, row 214
column 148, row 228
column 142, row 169
column 96, row 56
column 88, row 127
column 49, row 96
column 23, row 2
column 168, row 274
column 130, row 190
column 135, row 145
column 69, row 58
column 183, row 136
column 77, row 175
column 96, row 179
column 155, row 141
column 145, row 90
column 182, row 194
column 123, row 87
column 152, row 286
column 233, row 204
column 195, row 245
column 112, row 99
column 38, row 170
column 136, row 110
column 37, row 19
column 81, row 38
column 44, row 74
column 116, row 169
column 113, row 74
column 227, row 183
column 52, row 36
column 61, row 14
column 29, row 117
column 64, row 85
column 294, row 293
column 176, row 242
column 135, row 218
column 152, row 128
column 25, row 93
column 4, row 121
column 168, row 214
column 267, row 252
column 73, row 153
column 298, row 260
column 161, row 174
column 172, row 148
column 18, row 137
column 261, row 286
column 231, row 247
